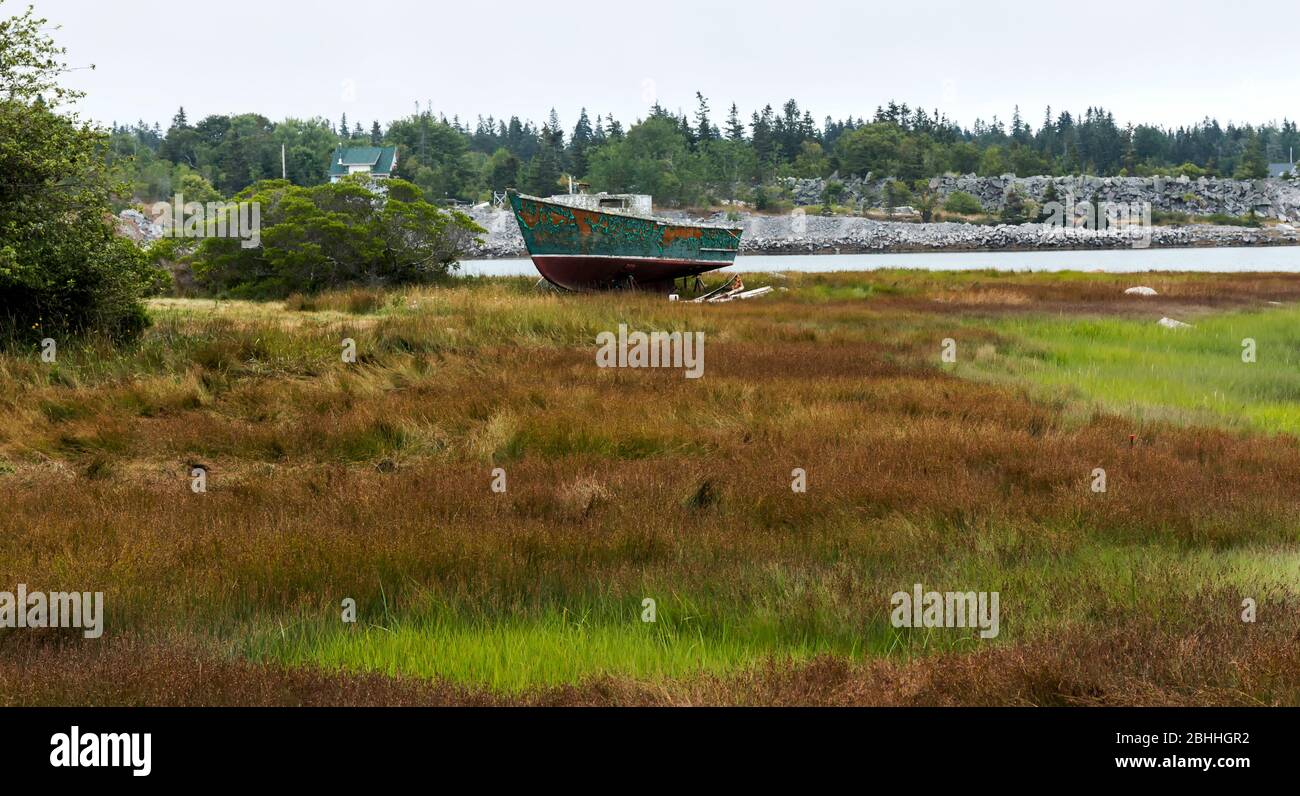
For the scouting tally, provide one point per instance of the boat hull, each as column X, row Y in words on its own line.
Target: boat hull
column 583, row 272
column 581, row 249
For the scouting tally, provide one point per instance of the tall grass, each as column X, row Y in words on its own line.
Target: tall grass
column 1192, row 375
column 371, row 480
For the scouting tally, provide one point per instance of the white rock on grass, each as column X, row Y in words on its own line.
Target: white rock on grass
column 1170, row 323
column 1140, row 290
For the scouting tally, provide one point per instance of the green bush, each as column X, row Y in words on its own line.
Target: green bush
column 63, row 271
column 1223, row 219
column 962, row 203
column 335, row 235
column 1016, row 209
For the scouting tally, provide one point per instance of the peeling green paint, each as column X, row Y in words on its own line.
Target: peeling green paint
column 550, row 228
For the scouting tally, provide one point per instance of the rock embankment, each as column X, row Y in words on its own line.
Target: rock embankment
column 1272, row 198
column 851, row 235
column 804, row 233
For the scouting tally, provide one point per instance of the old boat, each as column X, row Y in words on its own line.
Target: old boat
column 582, row 241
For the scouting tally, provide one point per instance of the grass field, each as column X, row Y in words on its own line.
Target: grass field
column 373, row 481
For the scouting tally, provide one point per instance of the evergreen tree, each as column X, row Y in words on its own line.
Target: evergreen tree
column 582, row 139
column 556, row 135
column 1050, row 195
column 544, row 174
column 735, row 128
column 704, row 130
column 1253, row 164
column 545, row 169
column 1014, row 208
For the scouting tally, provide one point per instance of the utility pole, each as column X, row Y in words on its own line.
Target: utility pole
column 424, row 129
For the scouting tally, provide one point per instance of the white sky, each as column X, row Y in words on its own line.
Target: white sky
column 1166, row 63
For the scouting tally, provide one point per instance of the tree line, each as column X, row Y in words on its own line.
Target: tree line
column 682, row 159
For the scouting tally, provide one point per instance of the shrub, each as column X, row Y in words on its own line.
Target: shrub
column 898, row 194
column 1016, row 209
column 336, row 235
column 962, row 203
column 62, row 269
column 1223, row 219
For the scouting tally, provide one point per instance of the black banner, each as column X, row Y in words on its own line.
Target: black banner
column 333, row 745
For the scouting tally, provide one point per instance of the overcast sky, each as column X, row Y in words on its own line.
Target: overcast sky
column 1166, row 63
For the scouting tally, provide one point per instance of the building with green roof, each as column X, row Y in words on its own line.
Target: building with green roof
column 376, row 161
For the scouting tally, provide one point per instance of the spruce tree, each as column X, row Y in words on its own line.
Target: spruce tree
column 703, row 127
column 735, row 127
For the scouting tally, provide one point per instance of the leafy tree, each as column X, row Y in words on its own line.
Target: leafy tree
column 992, row 164
column 812, row 161
column 63, row 271
column 875, row 149
column 726, row 165
column 308, row 144
column 432, row 154
column 653, row 158
column 898, row 194
column 962, row 203
column 195, row 188
column 963, row 157
column 336, row 234
column 925, row 199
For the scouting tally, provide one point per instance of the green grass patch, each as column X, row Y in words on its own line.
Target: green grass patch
column 778, row 616
column 1188, row 376
column 554, row 650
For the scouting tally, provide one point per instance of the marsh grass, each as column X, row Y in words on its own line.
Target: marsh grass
column 775, row 623
column 1137, row 368
column 371, row 481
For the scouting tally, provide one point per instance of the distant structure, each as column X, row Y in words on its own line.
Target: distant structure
column 1283, row 169
column 375, row 161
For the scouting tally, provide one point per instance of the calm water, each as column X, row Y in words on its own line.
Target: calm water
column 1259, row 258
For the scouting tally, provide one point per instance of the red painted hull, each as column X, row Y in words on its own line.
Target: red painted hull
column 587, row 272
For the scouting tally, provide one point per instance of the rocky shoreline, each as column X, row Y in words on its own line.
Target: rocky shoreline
column 804, row 231
column 1274, row 199
column 801, row 233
